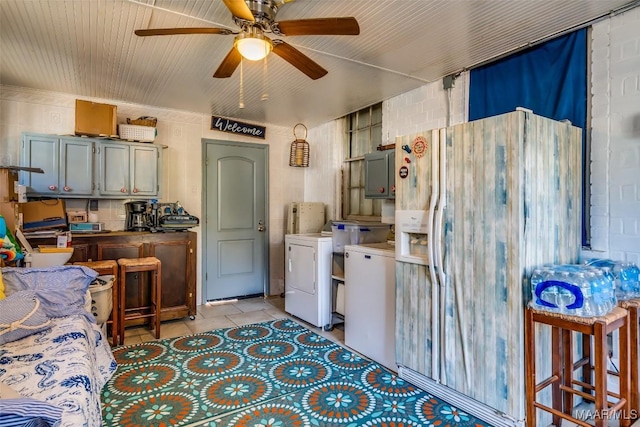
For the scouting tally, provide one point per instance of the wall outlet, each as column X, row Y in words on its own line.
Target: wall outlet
column 93, row 204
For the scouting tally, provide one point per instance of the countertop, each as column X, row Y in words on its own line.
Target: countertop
column 117, row 233
column 383, row 248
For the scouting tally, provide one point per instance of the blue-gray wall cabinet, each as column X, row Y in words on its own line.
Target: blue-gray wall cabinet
column 76, row 167
column 128, row 170
column 67, row 163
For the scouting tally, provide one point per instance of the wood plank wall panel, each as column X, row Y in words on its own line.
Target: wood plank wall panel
column 513, row 203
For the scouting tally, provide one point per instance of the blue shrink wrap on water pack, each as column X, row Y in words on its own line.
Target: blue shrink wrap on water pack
column 573, row 289
column 625, row 275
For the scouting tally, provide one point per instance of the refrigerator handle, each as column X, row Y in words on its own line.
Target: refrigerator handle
column 438, row 240
column 433, row 204
column 442, row 204
column 435, row 287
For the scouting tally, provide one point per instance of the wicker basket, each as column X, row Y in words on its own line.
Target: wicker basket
column 143, row 121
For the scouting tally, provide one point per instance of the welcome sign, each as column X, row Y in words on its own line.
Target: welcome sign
column 232, row 126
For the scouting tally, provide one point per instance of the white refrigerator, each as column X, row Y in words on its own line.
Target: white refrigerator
column 479, row 205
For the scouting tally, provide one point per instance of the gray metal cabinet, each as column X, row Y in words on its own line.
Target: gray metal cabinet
column 67, row 163
column 128, row 170
column 379, row 175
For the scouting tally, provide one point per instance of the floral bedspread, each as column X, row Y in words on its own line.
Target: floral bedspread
column 66, row 366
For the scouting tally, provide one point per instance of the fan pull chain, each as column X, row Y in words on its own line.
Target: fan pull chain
column 265, row 93
column 241, row 102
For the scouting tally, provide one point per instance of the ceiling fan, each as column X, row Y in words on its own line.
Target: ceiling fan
column 257, row 17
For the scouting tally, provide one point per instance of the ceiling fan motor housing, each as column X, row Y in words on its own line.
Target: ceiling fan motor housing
column 264, row 12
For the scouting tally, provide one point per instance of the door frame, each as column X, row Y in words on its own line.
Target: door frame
column 205, row 195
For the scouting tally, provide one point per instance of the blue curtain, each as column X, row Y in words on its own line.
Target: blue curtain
column 550, row 79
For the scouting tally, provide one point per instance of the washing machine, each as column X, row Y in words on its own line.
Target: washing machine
column 307, row 277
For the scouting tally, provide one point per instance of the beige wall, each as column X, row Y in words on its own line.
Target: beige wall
column 29, row 110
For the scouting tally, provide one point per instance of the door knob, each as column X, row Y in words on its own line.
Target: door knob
column 261, row 226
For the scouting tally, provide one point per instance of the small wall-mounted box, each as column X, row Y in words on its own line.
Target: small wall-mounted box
column 379, row 175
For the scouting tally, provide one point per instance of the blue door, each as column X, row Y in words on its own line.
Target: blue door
column 235, row 228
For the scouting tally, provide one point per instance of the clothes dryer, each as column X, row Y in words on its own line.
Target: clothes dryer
column 308, row 277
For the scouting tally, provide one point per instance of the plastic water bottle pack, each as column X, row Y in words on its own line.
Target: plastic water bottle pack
column 573, row 289
column 625, row 276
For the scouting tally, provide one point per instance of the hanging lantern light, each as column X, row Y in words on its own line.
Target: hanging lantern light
column 299, row 155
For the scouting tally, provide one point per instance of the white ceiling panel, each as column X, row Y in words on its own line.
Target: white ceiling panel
column 88, row 48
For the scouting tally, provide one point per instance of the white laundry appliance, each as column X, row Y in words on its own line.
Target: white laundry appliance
column 370, row 301
column 308, row 277
column 305, row 217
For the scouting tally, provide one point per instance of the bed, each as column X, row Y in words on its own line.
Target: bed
column 57, row 360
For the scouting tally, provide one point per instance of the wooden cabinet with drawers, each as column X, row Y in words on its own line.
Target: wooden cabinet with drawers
column 176, row 251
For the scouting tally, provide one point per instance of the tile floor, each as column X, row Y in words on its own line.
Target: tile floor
column 226, row 315
column 242, row 312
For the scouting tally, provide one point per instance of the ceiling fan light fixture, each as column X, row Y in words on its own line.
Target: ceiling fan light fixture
column 253, row 46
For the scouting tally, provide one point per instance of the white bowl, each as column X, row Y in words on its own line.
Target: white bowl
column 49, row 259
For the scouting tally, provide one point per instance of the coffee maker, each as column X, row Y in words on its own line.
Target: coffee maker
column 137, row 216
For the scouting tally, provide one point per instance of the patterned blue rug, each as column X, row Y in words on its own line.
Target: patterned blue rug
column 272, row 374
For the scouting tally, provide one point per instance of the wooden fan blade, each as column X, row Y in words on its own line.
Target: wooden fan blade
column 239, row 9
column 319, row 27
column 298, row 59
column 229, row 64
column 174, row 31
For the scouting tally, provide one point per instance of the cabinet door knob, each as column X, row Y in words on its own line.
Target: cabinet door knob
column 135, row 190
column 381, row 190
column 67, row 188
column 52, row 187
column 123, row 190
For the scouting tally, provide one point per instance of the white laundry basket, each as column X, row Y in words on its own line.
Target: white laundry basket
column 137, row 133
column 101, row 297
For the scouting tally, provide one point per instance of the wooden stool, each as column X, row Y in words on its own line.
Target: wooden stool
column 563, row 366
column 106, row 267
column 634, row 396
column 134, row 265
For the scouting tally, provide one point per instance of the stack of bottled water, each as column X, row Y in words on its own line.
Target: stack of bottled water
column 573, row 289
column 625, row 276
